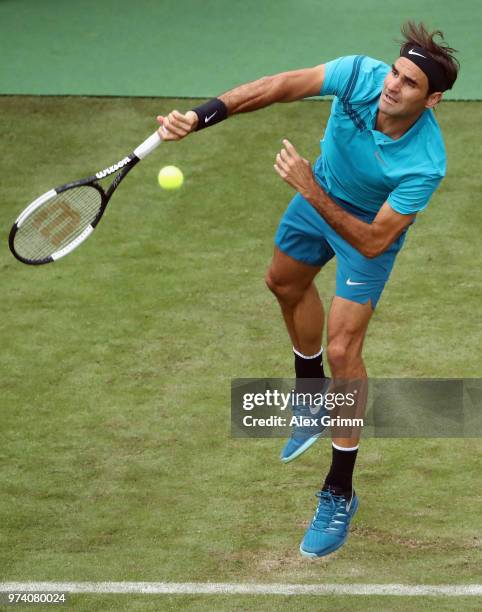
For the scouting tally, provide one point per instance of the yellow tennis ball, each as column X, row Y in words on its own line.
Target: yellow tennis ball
column 170, row 177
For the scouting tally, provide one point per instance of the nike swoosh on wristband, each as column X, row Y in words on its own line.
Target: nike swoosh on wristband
column 350, row 282
column 207, row 119
column 412, row 52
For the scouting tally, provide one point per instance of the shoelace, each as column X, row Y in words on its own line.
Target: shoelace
column 331, row 508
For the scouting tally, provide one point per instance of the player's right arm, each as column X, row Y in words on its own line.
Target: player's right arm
column 282, row 87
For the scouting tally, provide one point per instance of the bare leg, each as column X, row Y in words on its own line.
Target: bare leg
column 347, row 326
column 292, row 283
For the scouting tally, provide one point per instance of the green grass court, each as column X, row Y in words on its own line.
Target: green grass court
column 117, row 463
column 116, row 458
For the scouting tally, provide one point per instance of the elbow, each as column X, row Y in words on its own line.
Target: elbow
column 375, row 244
column 370, row 251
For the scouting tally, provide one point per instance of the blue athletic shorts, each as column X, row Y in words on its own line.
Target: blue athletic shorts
column 304, row 235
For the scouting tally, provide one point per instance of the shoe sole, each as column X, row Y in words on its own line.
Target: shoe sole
column 304, row 447
column 312, row 555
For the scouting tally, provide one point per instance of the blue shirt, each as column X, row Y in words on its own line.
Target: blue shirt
column 360, row 164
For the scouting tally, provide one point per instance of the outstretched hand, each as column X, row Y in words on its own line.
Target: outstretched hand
column 294, row 169
column 176, row 126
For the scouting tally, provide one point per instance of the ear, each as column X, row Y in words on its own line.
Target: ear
column 433, row 99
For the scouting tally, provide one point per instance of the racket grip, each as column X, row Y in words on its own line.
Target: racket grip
column 148, row 146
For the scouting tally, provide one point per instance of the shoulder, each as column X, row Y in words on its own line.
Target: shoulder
column 369, row 80
column 372, row 70
column 429, row 146
column 354, row 78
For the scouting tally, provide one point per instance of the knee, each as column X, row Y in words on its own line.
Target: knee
column 270, row 281
column 339, row 355
column 285, row 292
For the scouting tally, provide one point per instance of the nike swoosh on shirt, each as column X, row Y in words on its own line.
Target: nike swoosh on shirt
column 412, row 52
column 350, row 282
column 207, row 119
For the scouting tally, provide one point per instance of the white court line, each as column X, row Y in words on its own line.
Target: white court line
column 223, row 588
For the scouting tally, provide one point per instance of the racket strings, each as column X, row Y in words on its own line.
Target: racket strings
column 57, row 222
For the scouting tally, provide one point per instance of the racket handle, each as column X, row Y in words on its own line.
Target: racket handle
column 148, row 146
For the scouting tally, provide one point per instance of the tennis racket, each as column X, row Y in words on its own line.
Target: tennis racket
column 61, row 219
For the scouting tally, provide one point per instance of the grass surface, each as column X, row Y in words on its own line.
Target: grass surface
column 263, row 603
column 116, row 459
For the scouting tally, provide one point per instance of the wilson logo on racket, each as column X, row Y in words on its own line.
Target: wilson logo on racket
column 59, row 220
column 59, row 225
column 113, row 168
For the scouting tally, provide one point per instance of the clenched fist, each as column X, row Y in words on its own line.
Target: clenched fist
column 176, row 125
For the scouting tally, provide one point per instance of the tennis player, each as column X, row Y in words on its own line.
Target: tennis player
column 382, row 158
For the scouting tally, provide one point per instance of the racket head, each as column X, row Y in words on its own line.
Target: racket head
column 59, row 221
column 56, row 223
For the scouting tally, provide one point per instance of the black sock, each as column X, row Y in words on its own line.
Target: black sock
column 340, row 476
column 309, row 368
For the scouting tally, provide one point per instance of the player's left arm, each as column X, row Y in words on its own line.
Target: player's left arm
column 371, row 239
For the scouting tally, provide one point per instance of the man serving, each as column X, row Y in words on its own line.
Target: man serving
column 382, row 158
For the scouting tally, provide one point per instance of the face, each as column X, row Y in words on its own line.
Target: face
column 405, row 91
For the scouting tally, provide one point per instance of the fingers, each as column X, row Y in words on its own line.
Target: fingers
column 290, row 148
column 288, row 153
column 291, row 167
column 280, row 172
column 286, row 158
column 179, row 120
column 175, row 126
column 163, row 132
column 282, row 164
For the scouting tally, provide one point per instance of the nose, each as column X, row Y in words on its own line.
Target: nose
column 394, row 84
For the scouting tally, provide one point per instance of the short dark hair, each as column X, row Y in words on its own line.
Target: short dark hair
column 417, row 34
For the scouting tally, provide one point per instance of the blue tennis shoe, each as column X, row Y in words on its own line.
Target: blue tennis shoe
column 308, row 425
column 329, row 527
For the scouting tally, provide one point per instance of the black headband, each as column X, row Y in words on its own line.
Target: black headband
column 436, row 76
